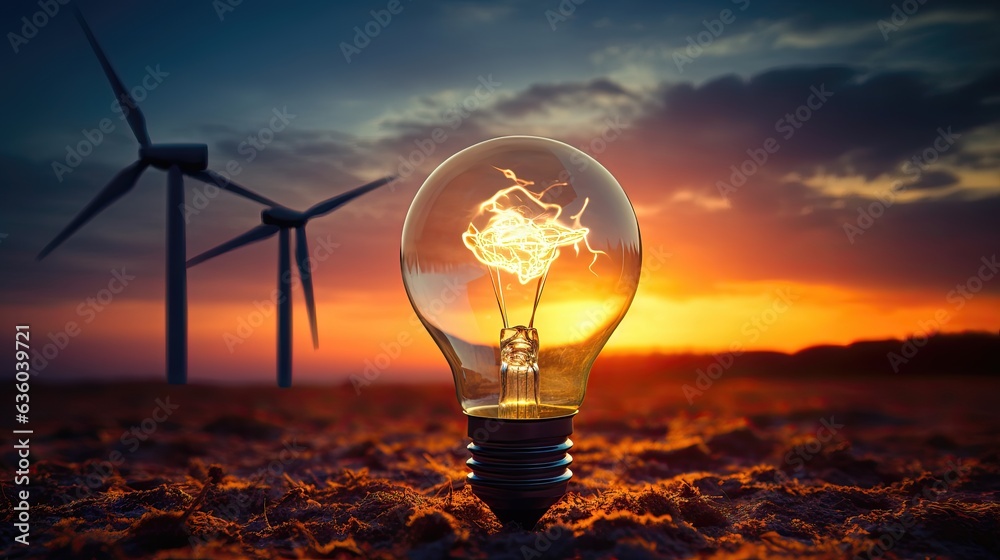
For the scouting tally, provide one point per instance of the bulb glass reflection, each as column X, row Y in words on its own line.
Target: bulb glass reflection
column 520, row 255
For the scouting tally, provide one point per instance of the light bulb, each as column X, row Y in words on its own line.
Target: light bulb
column 520, row 255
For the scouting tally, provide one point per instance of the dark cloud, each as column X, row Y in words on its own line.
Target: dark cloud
column 540, row 96
column 869, row 124
column 930, row 245
column 986, row 159
column 934, row 180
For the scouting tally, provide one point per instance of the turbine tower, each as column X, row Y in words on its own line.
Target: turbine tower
column 177, row 160
column 280, row 220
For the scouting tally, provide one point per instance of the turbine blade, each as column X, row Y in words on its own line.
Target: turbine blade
column 134, row 116
column 332, row 204
column 115, row 189
column 305, row 274
column 212, row 178
column 258, row 233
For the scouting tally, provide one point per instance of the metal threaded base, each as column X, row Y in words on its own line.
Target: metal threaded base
column 520, row 468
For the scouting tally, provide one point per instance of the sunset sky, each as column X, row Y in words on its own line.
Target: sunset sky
column 873, row 203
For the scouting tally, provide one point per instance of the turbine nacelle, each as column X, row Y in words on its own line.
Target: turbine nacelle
column 188, row 157
column 283, row 217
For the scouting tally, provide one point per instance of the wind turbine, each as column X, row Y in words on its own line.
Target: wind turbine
column 280, row 220
column 177, row 160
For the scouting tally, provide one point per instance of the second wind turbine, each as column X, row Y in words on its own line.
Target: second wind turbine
column 281, row 220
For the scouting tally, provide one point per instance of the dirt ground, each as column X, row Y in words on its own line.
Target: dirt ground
column 904, row 468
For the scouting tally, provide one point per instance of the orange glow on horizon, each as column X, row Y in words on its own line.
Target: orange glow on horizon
column 687, row 301
column 235, row 342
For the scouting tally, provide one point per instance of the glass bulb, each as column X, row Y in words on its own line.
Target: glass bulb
column 520, row 255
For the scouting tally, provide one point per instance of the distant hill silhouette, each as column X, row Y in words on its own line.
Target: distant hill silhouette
column 968, row 353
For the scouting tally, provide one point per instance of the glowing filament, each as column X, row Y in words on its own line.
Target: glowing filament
column 524, row 234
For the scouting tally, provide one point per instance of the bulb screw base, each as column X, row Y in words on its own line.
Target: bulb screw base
column 520, row 468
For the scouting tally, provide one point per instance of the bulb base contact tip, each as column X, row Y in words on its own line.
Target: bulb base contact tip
column 520, row 468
